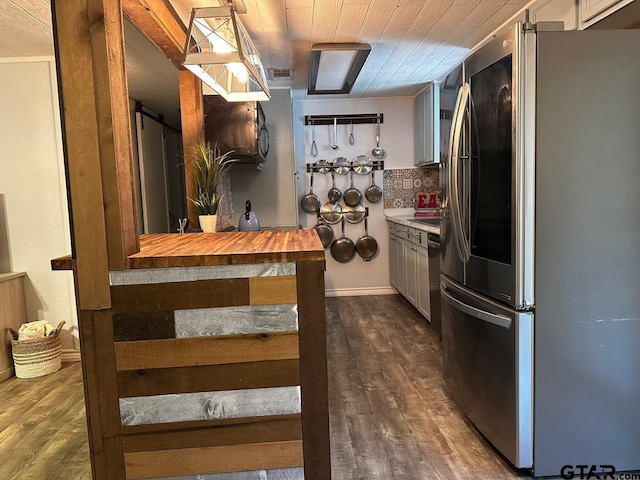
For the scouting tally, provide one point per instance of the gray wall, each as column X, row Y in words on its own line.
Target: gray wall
column 272, row 189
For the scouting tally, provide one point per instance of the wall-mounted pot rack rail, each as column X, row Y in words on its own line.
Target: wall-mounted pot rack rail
column 356, row 118
column 314, row 167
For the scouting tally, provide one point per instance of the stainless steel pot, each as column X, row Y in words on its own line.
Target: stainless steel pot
column 331, row 212
column 341, row 165
column 323, row 166
column 310, row 202
column 334, row 193
column 352, row 196
column 343, row 249
column 366, row 246
column 373, row 192
column 362, row 165
column 325, row 232
column 354, row 214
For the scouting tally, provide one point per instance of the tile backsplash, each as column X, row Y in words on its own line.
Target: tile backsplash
column 400, row 186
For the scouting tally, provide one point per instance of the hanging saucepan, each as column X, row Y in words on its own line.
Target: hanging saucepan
column 362, row 165
column 354, row 214
column 343, row 249
column 341, row 165
column 366, row 246
column 352, row 196
column 334, row 193
column 325, row 232
column 331, row 212
column 373, row 192
column 310, row 202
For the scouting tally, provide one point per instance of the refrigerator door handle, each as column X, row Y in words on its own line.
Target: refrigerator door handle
column 454, row 187
column 494, row 318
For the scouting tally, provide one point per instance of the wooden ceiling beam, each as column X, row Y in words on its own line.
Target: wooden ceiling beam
column 159, row 22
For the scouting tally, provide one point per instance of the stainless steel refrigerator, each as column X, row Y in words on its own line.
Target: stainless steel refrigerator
column 541, row 247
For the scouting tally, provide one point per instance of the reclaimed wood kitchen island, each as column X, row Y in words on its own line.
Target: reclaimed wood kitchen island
column 216, row 360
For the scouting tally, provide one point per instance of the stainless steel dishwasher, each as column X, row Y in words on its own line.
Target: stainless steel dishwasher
column 433, row 244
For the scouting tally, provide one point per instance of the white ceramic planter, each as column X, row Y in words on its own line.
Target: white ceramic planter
column 208, row 223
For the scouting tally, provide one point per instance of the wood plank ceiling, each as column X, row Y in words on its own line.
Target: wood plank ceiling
column 413, row 41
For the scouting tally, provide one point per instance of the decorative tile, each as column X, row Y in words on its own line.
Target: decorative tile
column 400, row 186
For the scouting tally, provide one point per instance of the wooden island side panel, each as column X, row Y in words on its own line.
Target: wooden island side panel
column 207, row 353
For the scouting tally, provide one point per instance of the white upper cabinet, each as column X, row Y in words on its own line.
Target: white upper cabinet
column 426, row 125
column 591, row 8
column 556, row 10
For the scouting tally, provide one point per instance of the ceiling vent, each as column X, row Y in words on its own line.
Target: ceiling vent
column 279, row 73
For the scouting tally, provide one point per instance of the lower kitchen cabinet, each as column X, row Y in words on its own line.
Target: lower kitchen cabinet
column 411, row 271
column 401, row 267
column 393, row 260
column 409, row 266
column 423, row 302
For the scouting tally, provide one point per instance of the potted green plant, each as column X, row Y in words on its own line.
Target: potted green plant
column 208, row 168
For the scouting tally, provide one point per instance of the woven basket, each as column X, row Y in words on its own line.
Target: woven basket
column 37, row 357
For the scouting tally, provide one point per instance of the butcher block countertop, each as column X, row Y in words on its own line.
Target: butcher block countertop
column 208, row 249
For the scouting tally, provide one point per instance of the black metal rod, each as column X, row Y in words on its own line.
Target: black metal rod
column 157, row 118
column 356, row 118
column 313, row 167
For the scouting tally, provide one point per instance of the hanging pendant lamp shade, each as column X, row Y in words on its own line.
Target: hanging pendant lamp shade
column 220, row 52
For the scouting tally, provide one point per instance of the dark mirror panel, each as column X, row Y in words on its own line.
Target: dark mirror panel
column 491, row 129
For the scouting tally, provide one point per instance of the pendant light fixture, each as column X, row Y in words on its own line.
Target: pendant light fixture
column 220, row 52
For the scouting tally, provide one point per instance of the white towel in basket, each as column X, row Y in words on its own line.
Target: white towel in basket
column 37, row 329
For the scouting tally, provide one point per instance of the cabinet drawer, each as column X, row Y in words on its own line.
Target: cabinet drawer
column 423, row 239
column 405, row 232
column 416, row 236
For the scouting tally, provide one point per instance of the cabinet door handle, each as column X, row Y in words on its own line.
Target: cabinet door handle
column 416, row 234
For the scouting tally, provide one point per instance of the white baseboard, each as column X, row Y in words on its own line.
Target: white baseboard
column 357, row 292
column 70, row 355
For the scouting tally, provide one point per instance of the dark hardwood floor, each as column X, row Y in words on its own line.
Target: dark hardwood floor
column 391, row 416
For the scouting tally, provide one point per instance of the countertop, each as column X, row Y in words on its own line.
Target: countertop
column 208, row 249
column 5, row 277
column 409, row 221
